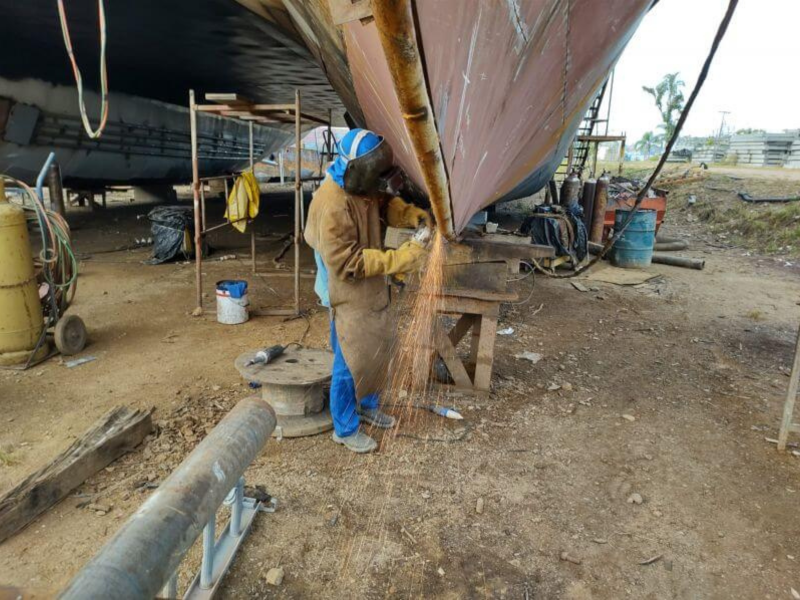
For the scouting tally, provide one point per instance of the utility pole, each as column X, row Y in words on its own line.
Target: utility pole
column 722, row 124
column 719, row 134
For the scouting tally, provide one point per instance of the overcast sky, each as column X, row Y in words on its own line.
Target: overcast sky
column 755, row 76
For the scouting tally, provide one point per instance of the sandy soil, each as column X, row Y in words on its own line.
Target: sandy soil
column 697, row 359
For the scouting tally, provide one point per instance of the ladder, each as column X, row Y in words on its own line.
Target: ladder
column 579, row 149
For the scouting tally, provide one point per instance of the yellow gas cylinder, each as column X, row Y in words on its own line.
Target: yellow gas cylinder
column 21, row 320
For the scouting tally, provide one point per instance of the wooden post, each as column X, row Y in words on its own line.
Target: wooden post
column 298, row 200
column 621, row 156
column 791, row 396
column 570, row 158
column 203, row 206
column 252, row 226
column 330, row 135
column 484, row 352
column 198, row 234
column 610, row 97
column 253, row 248
column 252, row 163
column 594, row 161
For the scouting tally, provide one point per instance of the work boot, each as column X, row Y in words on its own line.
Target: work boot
column 359, row 442
column 375, row 417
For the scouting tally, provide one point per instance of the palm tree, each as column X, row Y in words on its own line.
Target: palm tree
column 644, row 145
column 669, row 101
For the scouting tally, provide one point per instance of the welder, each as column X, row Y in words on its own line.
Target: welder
column 345, row 230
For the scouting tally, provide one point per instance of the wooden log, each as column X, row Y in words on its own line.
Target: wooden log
column 116, row 433
column 9, row 592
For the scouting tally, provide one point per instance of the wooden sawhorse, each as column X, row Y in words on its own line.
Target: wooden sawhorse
column 479, row 317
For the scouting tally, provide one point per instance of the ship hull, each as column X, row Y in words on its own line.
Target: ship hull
column 509, row 83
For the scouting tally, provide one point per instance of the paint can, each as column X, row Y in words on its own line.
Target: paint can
column 232, row 302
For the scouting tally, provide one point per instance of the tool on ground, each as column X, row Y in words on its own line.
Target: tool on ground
column 267, row 355
column 294, row 385
column 448, row 413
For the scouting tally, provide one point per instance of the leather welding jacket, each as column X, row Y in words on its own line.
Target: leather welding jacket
column 340, row 226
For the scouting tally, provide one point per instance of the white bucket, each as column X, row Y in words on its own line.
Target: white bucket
column 231, row 311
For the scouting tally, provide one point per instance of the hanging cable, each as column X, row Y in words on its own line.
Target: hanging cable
column 62, row 16
column 721, row 30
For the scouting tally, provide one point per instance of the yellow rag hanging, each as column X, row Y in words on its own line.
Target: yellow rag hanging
column 243, row 201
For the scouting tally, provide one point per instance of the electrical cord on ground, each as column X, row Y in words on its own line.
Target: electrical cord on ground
column 533, row 283
column 62, row 16
column 721, row 30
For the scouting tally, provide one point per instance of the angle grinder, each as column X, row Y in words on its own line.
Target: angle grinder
column 267, row 355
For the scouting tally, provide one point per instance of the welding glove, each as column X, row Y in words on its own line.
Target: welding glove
column 407, row 258
column 400, row 213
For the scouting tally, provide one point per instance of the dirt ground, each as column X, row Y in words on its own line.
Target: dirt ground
column 647, row 476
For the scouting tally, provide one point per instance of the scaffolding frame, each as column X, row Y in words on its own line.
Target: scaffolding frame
column 596, row 140
column 233, row 106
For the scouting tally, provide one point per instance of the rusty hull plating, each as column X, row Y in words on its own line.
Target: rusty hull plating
column 398, row 37
column 508, row 81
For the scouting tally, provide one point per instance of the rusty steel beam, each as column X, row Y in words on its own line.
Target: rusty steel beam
column 396, row 29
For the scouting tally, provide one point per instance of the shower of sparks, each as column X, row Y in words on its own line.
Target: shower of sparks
column 408, row 382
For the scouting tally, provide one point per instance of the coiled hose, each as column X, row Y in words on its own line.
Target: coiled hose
column 56, row 261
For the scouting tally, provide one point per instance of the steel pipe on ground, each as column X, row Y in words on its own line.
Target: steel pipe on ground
column 143, row 555
column 679, row 261
column 663, row 259
column 669, row 244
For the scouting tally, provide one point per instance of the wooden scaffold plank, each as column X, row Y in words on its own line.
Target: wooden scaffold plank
column 116, row 433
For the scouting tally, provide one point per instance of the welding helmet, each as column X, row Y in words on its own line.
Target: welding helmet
column 368, row 163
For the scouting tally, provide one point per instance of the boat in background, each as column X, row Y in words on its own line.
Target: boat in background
column 146, row 142
column 508, row 82
column 156, row 52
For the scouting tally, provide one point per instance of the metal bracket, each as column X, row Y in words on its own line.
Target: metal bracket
column 271, row 507
column 218, row 554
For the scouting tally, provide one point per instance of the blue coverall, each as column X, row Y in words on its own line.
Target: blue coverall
column 343, row 388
